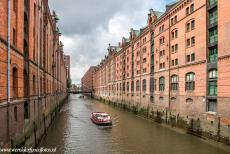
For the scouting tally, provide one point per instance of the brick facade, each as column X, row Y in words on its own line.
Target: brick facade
column 173, row 63
column 87, row 80
column 37, row 83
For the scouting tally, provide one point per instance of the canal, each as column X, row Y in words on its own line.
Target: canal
column 72, row 132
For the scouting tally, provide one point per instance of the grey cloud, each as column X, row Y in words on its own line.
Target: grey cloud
column 82, row 16
column 86, row 23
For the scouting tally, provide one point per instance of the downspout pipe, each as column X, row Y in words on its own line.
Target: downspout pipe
column 8, row 72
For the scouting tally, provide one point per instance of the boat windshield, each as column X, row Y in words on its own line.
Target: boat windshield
column 102, row 115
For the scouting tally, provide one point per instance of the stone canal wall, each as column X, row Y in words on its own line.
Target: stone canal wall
column 29, row 132
column 204, row 126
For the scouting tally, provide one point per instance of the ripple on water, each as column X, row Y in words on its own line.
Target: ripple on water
column 73, row 132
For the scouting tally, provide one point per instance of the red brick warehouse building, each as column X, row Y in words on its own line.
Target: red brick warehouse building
column 87, row 80
column 177, row 64
column 37, row 70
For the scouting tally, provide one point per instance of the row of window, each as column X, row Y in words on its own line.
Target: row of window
column 25, row 109
column 212, row 56
column 162, row 65
column 190, row 58
column 174, row 34
column 16, row 82
column 188, row 11
column 138, row 43
column 190, row 26
column 162, row 53
column 190, row 82
column 144, row 51
column 175, row 48
column 175, row 62
column 174, row 20
column 161, row 29
column 132, row 85
column 190, row 42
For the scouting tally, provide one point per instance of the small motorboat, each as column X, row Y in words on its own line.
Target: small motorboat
column 101, row 118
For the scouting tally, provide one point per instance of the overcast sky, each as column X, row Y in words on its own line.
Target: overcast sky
column 88, row 26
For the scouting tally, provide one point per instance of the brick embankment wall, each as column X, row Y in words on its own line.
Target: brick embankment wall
column 29, row 132
column 197, row 125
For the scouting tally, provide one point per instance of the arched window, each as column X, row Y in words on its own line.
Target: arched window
column 190, row 25
column 144, row 84
column 174, row 82
column 123, row 86
column 193, row 24
column 190, row 81
column 127, row 86
column 161, row 84
column 189, row 100
column 212, row 82
column 173, row 36
column 173, row 98
column 137, row 85
column 176, row 33
column 132, row 86
column 15, row 82
column 26, row 110
column 191, row 8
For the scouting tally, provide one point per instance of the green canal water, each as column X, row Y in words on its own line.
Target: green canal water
column 72, row 132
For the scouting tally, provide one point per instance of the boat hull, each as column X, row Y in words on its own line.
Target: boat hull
column 109, row 123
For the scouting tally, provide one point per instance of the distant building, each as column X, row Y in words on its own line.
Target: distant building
column 87, row 79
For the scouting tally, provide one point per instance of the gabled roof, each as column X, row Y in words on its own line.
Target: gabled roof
column 142, row 29
column 137, row 32
column 115, row 48
column 170, row 5
column 125, row 40
column 156, row 13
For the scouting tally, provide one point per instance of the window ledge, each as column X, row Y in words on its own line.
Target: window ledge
column 211, row 112
column 189, row 91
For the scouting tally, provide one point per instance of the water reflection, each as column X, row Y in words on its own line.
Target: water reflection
column 73, row 132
